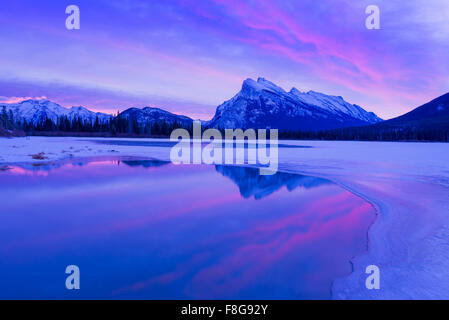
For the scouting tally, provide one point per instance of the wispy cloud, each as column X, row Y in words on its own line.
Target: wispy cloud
column 193, row 55
column 19, row 99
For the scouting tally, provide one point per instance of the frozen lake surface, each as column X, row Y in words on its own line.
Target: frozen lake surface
column 407, row 183
column 152, row 230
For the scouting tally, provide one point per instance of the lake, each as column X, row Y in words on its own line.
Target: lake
column 146, row 229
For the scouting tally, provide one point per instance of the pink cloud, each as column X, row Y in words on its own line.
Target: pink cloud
column 20, row 99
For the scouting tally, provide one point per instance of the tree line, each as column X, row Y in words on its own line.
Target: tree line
column 119, row 125
column 116, row 125
column 372, row 133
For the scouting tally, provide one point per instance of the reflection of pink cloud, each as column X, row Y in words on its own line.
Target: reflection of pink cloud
column 245, row 245
column 267, row 244
column 167, row 209
column 22, row 172
column 168, row 278
column 341, row 218
column 162, row 280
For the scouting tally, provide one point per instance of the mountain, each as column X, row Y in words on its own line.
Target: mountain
column 37, row 111
column 430, row 122
column 259, row 104
column 434, row 114
column 262, row 104
column 150, row 115
column 252, row 184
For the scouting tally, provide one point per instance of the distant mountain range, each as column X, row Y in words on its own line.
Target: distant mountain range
column 259, row 104
column 37, row 111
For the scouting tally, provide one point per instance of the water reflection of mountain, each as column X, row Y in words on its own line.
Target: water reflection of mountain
column 145, row 163
column 251, row 183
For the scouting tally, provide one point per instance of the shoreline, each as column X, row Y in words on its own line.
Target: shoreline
column 405, row 235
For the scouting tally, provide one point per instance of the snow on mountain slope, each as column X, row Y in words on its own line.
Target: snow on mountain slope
column 151, row 115
column 335, row 105
column 36, row 111
column 262, row 104
column 259, row 104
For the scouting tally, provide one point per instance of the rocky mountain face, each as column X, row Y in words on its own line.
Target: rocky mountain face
column 262, row 104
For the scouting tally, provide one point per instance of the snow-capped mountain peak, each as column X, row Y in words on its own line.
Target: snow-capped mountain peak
column 259, row 104
column 37, row 111
column 263, row 104
column 149, row 115
column 334, row 104
column 249, row 85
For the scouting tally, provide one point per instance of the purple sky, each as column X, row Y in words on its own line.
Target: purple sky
column 188, row 56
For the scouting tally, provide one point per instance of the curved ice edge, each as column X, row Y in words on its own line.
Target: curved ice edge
column 377, row 205
column 338, row 285
column 408, row 241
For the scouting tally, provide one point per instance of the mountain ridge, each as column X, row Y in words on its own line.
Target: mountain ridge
column 259, row 104
column 431, row 114
column 429, row 122
column 36, row 111
column 150, row 115
column 263, row 104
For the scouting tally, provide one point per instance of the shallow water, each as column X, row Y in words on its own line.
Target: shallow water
column 152, row 230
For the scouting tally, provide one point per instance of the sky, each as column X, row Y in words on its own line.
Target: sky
column 189, row 56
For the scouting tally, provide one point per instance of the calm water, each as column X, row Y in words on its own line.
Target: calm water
column 151, row 230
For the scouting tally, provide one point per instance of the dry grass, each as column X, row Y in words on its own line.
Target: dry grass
column 39, row 156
